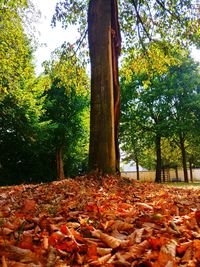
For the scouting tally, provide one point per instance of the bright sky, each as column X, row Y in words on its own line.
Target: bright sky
column 51, row 38
column 54, row 37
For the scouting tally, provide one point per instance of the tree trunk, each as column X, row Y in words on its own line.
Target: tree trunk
column 191, row 174
column 176, row 171
column 59, row 163
column 183, row 152
column 137, row 168
column 164, row 180
column 116, row 50
column 158, row 160
column 104, row 45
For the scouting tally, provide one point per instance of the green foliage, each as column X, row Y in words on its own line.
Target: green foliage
column 170, row 24
column 169, row 21
column 71, row 12
column 67, row 108
column 21, row 101
column 15, row 50
column 38, row 114
column 19, row 124
column 167, row 108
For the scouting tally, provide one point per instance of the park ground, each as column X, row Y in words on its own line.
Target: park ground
column 100, row 221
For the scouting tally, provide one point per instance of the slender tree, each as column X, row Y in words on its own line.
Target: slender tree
column 66, row 100
column 105, row 45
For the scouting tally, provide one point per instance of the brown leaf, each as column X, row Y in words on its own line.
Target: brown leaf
column 29, row 206
column 101, row 261
column 3, row 261
column 111, row 241
column 103, row 251
column 122, row 226
column 51, row 259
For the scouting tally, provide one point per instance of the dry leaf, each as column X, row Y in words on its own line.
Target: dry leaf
column 111, row 241
column 103, row 251
column 101, row 261
column 51, row 259
column 3, row 261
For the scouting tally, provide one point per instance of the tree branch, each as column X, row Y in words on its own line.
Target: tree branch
column 168, row 11
column 141, row 21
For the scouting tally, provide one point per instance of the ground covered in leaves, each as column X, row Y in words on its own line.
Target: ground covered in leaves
column 99, row 221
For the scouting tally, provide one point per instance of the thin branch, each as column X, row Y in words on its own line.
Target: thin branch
column 140, row 20
column 168, row 11
column 81, row 40
column 152, row 31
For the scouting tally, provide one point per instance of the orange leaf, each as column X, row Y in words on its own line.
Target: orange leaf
column 181, row 249
column 92, row 252
column 155, row 242
column 77, row 235
column 26, row 242
column 68, row 246
column 29, row 206
column 54, row 238
column 64, row 229
column 92, row 207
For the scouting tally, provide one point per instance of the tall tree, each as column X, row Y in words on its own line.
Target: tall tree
column 183, row 81
column 149, row 110
column 104, row 44
column 20, row 106
column 65, row 104
column 167, row 108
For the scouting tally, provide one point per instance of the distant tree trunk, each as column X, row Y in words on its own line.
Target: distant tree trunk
column 183, row 152
column 191, row 174
column 59, row 163
column 137, row 168
column 176, row 172
column 158, row 159
column 104, row 45
column 164, row 180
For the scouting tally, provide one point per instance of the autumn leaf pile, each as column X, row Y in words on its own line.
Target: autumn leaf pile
column 99, row 221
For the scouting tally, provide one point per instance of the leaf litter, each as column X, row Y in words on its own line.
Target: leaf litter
column 99, row 221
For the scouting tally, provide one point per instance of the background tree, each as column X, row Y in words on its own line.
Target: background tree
column 15, row 48
column 32, row 118
column 21, row 102
column 134, row 141
column 164, row 109
column 183, row 83
column 66, row 106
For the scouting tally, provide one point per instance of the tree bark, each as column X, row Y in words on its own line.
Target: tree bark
column 191, row 174
column 59, row 163
column 184, row 163
column 104, row 45
column 137, row 168
column 163, row 170
column 176, row 171
column 158, row 160
column 116, row 50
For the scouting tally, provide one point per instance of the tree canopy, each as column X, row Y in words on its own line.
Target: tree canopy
column 167, row 109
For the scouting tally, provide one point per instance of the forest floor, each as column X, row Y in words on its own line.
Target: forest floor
column 99, row 221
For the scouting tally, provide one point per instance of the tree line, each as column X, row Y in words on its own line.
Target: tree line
column 160, row 117
column 45, row 121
